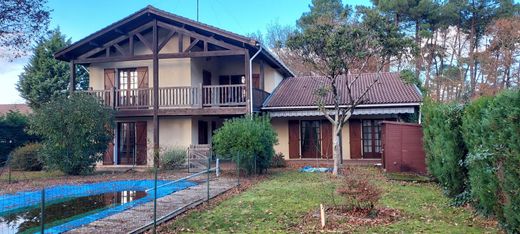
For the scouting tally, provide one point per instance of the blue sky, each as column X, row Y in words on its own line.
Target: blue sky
column 78, row 19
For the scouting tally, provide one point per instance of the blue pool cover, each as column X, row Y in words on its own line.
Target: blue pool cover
column 24, row 199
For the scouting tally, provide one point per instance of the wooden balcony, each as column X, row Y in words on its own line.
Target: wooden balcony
column 183, row 100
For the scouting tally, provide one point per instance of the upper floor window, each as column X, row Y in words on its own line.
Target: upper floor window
column 128, row 79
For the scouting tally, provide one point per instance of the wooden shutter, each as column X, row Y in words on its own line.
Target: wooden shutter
column 141, row 142
column 355, row 138
column 109, row 80
column 108, row 157
column 256, row 81
column 294, row 139
column 142, row 77
column 142, row 83
column 326, row 139
column 110, row 75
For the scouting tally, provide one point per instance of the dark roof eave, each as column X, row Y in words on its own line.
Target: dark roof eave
column 61, row 54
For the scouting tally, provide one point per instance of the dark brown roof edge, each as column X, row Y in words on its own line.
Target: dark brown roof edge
column 60, row 55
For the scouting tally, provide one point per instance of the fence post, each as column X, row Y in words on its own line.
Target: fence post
column 42, row 212
column 155, row 200
column 209, row 167
column 238, row 168
column 217, row 167
column 188, row 159
column 9, row 176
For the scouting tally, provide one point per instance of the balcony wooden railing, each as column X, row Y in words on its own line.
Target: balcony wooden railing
column 174, row 97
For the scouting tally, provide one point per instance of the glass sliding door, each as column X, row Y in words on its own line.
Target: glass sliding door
column 126, row 154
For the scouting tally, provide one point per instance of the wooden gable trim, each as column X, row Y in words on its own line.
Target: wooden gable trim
column 199, row 36
column 168, row 37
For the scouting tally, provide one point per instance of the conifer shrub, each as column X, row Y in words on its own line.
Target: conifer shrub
column 444, row 145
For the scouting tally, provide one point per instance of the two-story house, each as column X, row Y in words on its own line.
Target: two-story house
column 171, row 80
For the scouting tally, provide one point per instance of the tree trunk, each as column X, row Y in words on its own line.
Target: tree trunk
column 336, row 150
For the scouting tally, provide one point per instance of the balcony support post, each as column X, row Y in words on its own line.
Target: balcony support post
column 72, row 82
column 201, row 96
column 246, row 79
column 155, row 93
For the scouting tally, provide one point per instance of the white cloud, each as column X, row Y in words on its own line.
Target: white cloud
column 9, row 72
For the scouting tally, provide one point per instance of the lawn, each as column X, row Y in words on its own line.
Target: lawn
column 279, row 203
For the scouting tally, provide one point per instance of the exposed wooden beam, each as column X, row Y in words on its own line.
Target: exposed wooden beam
column 72, row 82
column 93, row 43
column 131, row 45
column 181, row 42
column 193, row 43
column 161, row 56
column 120, row 49
column 144, row 41
column 246, row 76
column 155, row 63
column 117, row 30
column 199, row 36
column 167, row 39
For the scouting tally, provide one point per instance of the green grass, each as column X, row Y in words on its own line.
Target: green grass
column 425, row 209
column 275, row 205
column 28, row 175
column 279, row 204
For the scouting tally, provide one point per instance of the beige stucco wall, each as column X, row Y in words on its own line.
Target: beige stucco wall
column 173, row 132
column 272, row 78
column 345, row 141
column 282, row 129
column 281, row 126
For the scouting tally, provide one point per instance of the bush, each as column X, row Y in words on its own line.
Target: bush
column 246, row 139
column 12, row 133
column 444, row 145
column 360, row 192
column 173, row 158
column 278, row 161
column 75, row 132
column 26, row 158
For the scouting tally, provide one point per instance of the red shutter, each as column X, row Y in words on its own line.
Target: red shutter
column 355, row 138
column 294, row 139
column 108, row 157
column 326, row 139
column 142, row 76
column 141, row 143
column 110, row 74
column 142, row 83
column 109, row 80
column 256, row 81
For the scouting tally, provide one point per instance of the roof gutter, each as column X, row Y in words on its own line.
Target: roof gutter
column 341, row 106
column 251, row 79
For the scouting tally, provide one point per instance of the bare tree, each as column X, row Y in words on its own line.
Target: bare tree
column 336, row 43
column 21, row 23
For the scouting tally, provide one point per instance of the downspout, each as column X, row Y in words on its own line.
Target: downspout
column 251, row 78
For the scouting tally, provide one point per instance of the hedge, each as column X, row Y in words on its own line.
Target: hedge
column 444, row 146
column 490, row 128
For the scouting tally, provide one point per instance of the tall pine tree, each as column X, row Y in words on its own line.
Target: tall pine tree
column 45, row 78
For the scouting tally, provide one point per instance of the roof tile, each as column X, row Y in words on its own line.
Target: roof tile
column 301, row 91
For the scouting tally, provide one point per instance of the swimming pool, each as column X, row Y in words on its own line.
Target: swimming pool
column 71, row 206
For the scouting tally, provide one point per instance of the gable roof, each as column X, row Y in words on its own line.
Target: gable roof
column 300, row 91
column 149, row 13
column 22, row 108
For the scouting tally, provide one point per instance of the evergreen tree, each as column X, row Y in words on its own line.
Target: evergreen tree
column 45, row 78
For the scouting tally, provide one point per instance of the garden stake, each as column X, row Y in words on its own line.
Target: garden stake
column 42, row 212
column 238, row 169
column 322, row 213
column 209, row 167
